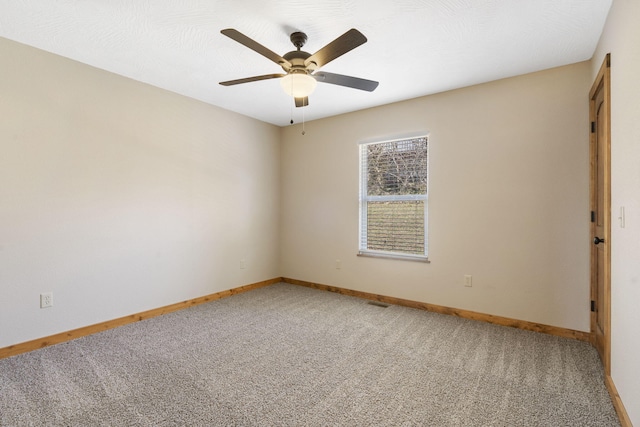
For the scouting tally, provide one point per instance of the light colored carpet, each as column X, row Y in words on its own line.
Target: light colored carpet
column 292, row 356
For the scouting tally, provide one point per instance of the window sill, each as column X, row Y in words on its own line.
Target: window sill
column 418, row 258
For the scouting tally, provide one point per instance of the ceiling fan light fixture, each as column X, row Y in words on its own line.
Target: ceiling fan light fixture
column 298, row 85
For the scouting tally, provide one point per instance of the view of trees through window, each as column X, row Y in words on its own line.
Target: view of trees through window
column 394, row 196
column 397, row 167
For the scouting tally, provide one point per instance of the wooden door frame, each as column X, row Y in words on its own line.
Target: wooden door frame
column 602, row 79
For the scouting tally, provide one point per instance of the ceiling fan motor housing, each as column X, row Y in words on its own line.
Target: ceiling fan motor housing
column 297, row 58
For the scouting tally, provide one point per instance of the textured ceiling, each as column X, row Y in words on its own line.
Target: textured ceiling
column 414, row 48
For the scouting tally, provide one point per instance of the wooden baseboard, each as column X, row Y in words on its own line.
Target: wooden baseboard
column 24, row 347
column 15, row 349
column 625, row 421
column 489, row 318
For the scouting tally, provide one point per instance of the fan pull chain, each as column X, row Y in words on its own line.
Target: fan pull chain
column 303, row 132
column 290, row 105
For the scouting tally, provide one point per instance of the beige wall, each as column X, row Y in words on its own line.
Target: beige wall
column 621, row 37
column 119, row 197
column 508, row 199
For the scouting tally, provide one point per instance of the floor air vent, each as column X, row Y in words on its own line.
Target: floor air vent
column 378, row 304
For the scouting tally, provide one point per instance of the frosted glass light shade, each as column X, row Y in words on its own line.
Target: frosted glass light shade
column 298, row 85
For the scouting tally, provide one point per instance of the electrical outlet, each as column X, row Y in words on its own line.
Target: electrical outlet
column 338, row 264
column 46, row 300
column 243, row 264
column 467, row 280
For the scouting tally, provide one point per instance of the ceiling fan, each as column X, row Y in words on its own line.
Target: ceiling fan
column 301, row 67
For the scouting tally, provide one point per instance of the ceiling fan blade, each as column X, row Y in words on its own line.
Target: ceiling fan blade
column 348, row 81
column 343, row 44
column 251, row 79
column 302, row 102
column 254, row 45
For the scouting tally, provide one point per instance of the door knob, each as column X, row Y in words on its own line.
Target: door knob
column 597, row 240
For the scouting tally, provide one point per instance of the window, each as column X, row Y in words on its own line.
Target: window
column 393, row 198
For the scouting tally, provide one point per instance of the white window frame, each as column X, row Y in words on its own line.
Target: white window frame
column 364, row 199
